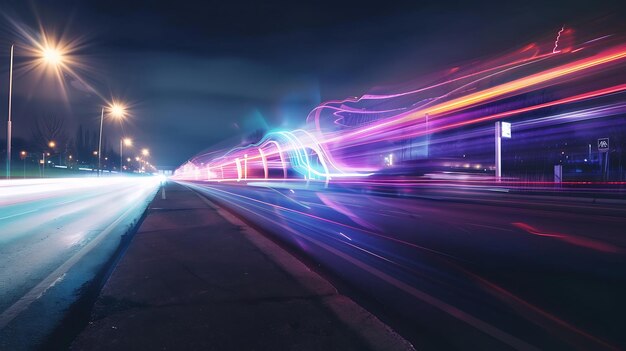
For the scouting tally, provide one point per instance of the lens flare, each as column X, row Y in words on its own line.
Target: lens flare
column 46, row 55
column 117, row 110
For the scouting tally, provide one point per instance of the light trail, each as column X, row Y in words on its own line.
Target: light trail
column 395, row 191
column 55, row 235
column 346, row 138
column 556, row 42
column 340, row 223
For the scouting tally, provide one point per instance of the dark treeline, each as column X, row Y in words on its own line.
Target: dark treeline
column 50, row 137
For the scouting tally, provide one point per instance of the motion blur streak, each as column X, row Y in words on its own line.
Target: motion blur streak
column 592, row 244
column 396, row 196
column 420, row 258
column 47, row 226
column 361, row 137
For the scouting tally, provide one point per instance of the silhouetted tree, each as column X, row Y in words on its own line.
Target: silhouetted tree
column 46, row 129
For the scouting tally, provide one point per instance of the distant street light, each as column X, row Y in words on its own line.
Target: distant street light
column 23, row 155
column 116, row 110
column 52, row 144
column 145, row 152
column 127, row 142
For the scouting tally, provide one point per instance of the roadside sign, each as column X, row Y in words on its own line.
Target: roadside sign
column 506, row 130
column 603, row 144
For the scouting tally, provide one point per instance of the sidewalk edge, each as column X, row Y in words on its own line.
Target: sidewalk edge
column 372, row 330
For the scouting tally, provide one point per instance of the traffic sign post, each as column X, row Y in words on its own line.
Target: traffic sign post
column 603, row 148
column 503, row 130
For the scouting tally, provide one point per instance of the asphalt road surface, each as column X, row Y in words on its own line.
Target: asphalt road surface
column 55, row 235
column 481, row 272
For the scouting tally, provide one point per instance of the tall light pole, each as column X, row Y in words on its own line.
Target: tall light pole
column 23, row 155
column 100, row 142
column 116, row 110
column 9, row 119
column 127, row 142
column 52, row 145
column 50, row 55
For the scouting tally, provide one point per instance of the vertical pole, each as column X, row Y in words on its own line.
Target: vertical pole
column 100, row 141
column 9, row 119
column 43, row 166
column 606, row 166
column 498, row 151
column 245, row 166
column 121, row 156
column 264, row 161
column 427, row 138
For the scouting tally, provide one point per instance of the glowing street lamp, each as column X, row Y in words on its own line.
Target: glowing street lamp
column 116, row 110
column 52, row 144
column 145, row 152
column 52, row 56
column 127, row 142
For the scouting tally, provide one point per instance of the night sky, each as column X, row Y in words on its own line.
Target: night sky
column 198, row 73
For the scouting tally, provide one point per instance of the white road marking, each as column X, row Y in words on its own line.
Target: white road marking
column 19, row 214
column 40, row 208
column 22, row 304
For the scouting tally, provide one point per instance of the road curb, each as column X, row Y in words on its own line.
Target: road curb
column 372, row 330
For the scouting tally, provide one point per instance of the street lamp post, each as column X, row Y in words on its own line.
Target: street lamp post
column 23, row 155
column 9, row 119
column 100, row 141
column 116, row 110
column 50, row 55
column 123, row 141
column 51, row 145
column 121, row 153
column 43, row 165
